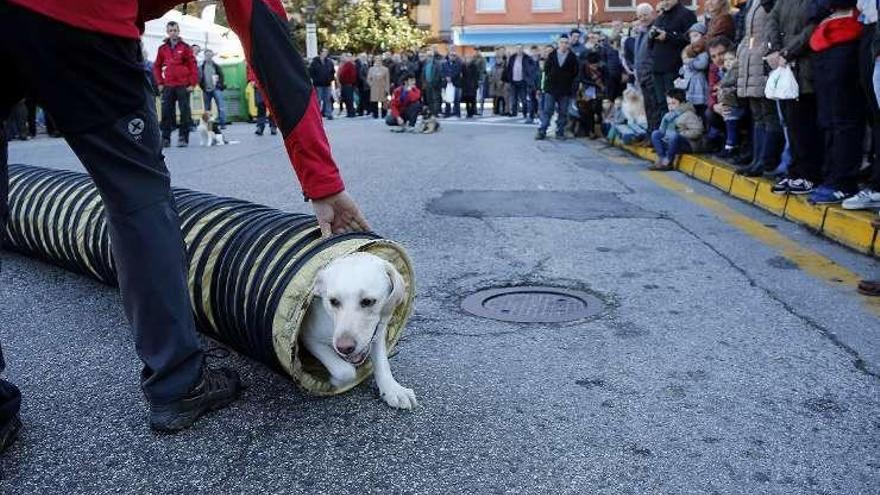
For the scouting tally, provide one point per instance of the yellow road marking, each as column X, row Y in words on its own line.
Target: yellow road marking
column 808, row 260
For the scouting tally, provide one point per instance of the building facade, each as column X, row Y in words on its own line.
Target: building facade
column 486, row 23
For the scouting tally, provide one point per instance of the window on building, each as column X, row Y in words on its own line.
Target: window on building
column 624, row 4
column 490, row 5
column 547, row 5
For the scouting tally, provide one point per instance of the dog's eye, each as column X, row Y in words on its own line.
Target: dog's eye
column 367, row 302
column 335, row 302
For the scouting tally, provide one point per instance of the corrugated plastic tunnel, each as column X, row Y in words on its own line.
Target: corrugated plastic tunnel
column 251, row 267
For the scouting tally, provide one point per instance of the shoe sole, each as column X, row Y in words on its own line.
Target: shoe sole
column 185, row 421
column 867, row 206
column 801, row 193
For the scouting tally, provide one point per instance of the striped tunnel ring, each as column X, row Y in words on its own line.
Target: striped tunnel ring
column 251, row 268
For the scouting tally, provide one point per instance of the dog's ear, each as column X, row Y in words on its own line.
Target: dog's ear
column 318, row 288
column 398, row 290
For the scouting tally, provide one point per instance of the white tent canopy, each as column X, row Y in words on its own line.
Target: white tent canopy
column 194, row 30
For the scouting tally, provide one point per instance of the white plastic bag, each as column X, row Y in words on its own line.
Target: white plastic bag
column 449, row 93
column 781, row 84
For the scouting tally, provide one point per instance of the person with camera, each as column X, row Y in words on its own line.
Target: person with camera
column 667, row 38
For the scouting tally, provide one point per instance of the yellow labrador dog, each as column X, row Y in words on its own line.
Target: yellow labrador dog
column 354, row 297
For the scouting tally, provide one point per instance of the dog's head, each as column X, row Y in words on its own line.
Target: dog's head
column 206, row 118
column 358, row 291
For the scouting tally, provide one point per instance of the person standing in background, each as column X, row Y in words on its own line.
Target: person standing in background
column 560, row 74
column 431, row 80
column 322, row 72
column 667, row 38
column 520, row 72
column 176, row 76
column 212, row 83
column 363, row 67
column 379, row 81
column 347, row 78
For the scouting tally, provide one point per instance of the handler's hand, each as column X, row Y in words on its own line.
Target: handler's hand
column 339, row 214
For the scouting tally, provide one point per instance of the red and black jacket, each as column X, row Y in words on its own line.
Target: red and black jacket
column 398, row 105
column 175, row 66
column 262, row 27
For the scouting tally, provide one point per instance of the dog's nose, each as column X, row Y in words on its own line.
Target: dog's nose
column 345, row 346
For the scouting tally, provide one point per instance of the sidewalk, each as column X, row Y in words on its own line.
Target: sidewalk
column 853, row 229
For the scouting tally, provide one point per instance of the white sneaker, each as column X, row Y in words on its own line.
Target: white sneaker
column 866, row 198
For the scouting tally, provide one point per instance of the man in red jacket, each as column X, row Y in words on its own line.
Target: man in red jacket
column 82, row 61
column 405, row 105
column 347, row 79
column 176, row 74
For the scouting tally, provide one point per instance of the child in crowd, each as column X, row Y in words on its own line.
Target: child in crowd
column 680, row 131
column 694, row 69
column 717, row 48
column 729, row 106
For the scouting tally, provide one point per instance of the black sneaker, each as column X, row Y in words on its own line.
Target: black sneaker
column 540, row 136
column 166, row 142
column 273, row 131
column 218, row 388
column 800, row 186
column 781, row 186
column 182, row 143
column 259, row 132
column 9, row 433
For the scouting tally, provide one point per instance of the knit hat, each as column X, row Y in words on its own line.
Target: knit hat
column 698, row 27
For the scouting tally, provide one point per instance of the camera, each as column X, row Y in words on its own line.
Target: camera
column 654, row 32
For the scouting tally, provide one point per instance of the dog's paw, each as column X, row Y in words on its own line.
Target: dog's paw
column 343, row 376
column 399, row 397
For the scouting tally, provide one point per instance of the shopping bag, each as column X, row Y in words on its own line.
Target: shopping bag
column 781, row 84
column 449, row 93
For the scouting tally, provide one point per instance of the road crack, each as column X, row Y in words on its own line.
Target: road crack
column 858, row 362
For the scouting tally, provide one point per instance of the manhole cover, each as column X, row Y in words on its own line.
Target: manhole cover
column 529, row 304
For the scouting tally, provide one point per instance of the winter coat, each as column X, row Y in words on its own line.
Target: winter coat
column 790, row 33
column 694, row 74
column 221, row 82
column 728, row 96
column 751, row 52
column 451, row 69
column 176, row 66
column 667, row 54
column 684, row 122
column 322, row 73
column 497, row 86
column 644, row 61
column 347, row 74
column 559, row 80
column 399, row 105
column 434, row 81
column 362, row 70
column 379, row 81
column 529, row 67
column 470, row 81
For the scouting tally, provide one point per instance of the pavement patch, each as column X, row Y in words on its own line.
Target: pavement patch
column 564, row 205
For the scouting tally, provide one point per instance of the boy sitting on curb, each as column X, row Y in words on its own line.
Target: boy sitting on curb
column 680, row 131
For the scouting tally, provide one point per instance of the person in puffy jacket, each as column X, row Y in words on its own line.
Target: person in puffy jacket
column 680, row 131
column 767, row 137
column 176, row 76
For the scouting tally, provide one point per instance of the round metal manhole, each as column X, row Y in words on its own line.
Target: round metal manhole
column 532, row 304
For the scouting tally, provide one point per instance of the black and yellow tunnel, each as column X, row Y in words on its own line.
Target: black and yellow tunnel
column 251, row 267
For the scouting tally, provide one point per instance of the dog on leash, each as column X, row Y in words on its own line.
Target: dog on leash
column 353, row 300
column 430, row 124
column 209, row 131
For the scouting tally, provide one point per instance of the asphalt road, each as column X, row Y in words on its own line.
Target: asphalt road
column 717, row 365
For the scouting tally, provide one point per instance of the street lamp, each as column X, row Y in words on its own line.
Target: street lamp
column 311, row 30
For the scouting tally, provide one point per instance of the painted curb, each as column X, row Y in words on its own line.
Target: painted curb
column 850, row 228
